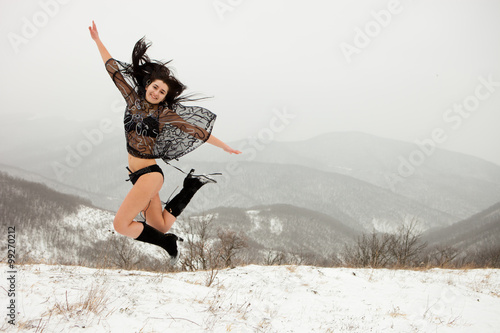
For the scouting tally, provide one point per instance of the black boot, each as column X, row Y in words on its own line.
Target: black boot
column 192, row 183
column 166, row 241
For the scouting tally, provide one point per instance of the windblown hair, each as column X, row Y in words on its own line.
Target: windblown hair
column 144, row 71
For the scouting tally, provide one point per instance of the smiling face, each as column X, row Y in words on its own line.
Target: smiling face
column 156, row 92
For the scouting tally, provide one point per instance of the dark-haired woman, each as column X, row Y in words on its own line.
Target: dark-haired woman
column 156, row 126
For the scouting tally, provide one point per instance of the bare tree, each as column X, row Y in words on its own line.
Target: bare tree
column 407, row 245
column 369, row 251
column 488, row 256
column 274, row 258
column 126, row 256
column 442, row 256
column 197, row 254
column 229, row 244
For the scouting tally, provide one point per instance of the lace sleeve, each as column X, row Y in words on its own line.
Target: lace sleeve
column 124, row 84
column 184, row 129
column 193, row 120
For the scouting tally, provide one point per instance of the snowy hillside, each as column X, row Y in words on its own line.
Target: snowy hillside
column 287, row 228
column 255, row 299
column 52, row 227
column 353, row 202
column 56, row 228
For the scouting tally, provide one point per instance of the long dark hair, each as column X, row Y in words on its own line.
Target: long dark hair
column 144, row 71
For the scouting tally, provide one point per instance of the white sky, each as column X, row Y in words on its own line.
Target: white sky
column 258, row 56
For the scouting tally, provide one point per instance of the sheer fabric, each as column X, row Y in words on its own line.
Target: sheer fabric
column 154, row 130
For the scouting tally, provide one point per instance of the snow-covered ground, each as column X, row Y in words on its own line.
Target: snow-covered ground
column 253, row 299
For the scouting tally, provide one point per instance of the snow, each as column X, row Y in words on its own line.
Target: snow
column 383, row 225
column 255, row 219
column 255, row 299
column 386, row 226
column 276, row 226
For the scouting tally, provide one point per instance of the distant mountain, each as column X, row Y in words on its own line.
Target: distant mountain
column 52, row 184
column 356, row 203
column 477, row 233
column 355, row 178
column 59, row 228
column 29, row 203
column 454, row 183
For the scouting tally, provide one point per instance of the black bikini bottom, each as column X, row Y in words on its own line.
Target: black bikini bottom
column 134, row 176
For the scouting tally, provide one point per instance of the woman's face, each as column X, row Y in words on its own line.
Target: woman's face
column 156, row 92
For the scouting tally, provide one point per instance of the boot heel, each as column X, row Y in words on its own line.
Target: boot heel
column 202, row 179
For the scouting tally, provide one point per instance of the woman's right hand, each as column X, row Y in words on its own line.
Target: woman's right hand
column 102, row 49
column 93, row 32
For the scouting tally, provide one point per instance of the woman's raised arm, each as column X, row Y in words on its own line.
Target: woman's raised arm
column 102, row 49
column 113, row 68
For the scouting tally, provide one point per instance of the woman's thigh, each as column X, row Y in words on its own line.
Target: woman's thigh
column 137, row 199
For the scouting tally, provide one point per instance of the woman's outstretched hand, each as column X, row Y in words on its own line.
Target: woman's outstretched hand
column 231, row 150
column 93, row 32
column 218, row 143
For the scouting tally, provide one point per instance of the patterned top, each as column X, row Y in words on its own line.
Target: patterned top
column 153, row 130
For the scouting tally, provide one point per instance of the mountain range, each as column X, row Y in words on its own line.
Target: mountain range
column 61, row 228
column 360, row 180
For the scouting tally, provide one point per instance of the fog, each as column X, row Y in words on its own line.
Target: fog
column 425, row 71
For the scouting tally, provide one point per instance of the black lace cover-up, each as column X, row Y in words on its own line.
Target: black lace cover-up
column 155, row 131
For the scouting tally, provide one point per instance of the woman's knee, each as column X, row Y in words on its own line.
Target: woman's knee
column 163, row 229
column 120, row 225
column 170, row 219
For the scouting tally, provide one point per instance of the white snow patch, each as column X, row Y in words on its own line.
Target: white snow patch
column 255, row 219
column 256, row 298
column 382, row 225
column 95, row 221
column 276, row 226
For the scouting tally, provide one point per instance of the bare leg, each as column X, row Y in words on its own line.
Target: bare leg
column 144, row 190
column 158, row 218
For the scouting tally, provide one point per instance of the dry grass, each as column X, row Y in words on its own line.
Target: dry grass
column 38, row 325
column 94, row 301
column 396, row 312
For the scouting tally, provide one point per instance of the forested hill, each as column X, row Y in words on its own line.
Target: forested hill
column 27, row 204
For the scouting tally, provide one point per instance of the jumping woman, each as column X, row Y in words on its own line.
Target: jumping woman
column 156, row 126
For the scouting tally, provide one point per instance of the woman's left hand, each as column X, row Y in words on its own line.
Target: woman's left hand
column 218, row 143
column 231, row 150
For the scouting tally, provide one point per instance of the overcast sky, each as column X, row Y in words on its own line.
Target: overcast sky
column 396, row 69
